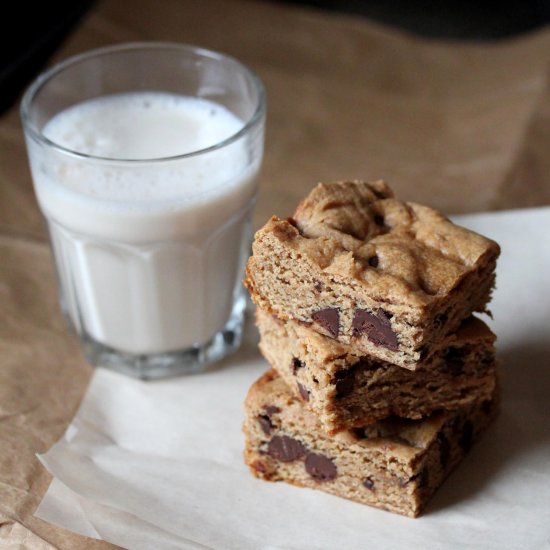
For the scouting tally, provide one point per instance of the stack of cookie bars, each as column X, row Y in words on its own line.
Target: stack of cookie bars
column 381, row 378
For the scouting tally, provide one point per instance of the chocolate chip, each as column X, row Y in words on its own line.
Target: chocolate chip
column 318, row 286
column 376, row 326
column 265, row 419
column 344, row 382
column 272, row 409
column 467, row 436
column 320, row 467
column 303, row 391
column 373, row 261
column 368, row 483
column 296, row 364
column 454, row 361
column 329, row 319
column 265, row 423
column 378, row 219
column 285, row 449
column 444, row 450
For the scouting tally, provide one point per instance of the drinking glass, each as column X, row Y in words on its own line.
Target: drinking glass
column 149, row 273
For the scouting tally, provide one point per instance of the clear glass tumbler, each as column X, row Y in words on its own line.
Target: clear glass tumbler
column 149, row 251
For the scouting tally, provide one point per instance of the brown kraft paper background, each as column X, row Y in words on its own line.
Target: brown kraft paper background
column 462, row 127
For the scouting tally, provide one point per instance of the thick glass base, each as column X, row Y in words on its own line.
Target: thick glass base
column 161, row 365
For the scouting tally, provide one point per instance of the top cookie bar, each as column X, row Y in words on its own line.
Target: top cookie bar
column 360, row 266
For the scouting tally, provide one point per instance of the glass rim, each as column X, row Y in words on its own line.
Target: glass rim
column 47, row 75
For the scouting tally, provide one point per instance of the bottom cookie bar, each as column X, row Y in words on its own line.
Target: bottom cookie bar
column 394, row 464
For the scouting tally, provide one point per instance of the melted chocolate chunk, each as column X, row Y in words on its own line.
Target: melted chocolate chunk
column 272, row 409
column 454, row 361
column 376, row 326
column 444, row 450
column 265, row 423
column 344, row 382
column 296, row 364
column 467, row 436
column 329, row 319
column 303, row 391
column 320, row 467
column 285, row 449
column 369, row 483
column 373, row 261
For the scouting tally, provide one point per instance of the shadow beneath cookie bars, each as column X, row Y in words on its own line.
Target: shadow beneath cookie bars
column 520, row 430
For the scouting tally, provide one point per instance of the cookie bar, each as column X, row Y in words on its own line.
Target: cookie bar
column 394, row 464
column 354, row 263
column 346, row 389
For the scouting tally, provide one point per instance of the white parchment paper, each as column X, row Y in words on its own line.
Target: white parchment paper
column 158, row 465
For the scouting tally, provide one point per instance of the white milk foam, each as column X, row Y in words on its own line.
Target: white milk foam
column 138, row 126
column 149, row 252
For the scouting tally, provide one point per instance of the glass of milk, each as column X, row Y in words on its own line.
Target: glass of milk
column 145, row 161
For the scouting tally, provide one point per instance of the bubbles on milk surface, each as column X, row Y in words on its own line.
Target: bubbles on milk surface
column 147, row 126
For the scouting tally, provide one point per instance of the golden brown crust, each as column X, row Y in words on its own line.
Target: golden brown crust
column 420, row 253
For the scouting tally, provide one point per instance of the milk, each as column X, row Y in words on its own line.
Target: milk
column 149, row 252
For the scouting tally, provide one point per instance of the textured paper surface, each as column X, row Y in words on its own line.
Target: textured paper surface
column 463, row 127
column 159, row 465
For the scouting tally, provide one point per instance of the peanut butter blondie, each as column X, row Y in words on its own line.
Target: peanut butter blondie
column 393, row 464
column 361, row 267
column 346, row 389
